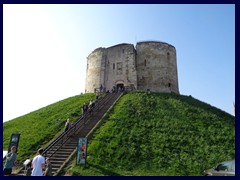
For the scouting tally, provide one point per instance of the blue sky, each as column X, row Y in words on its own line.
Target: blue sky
column 45, row 48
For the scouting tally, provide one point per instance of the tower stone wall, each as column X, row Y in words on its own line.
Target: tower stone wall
column 120, row 66
column 152, row 65
column 94, row 69
column 156, row 67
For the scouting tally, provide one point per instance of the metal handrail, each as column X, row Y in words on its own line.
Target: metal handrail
column 67, row 133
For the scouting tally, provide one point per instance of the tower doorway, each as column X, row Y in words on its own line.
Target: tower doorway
column 120, row 86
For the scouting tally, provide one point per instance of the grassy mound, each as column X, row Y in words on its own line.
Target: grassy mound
column 41, row 126
column 160, row 134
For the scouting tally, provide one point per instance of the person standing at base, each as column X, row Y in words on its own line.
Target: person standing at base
column 38, row 163
column 48, row 171
column 10, row 160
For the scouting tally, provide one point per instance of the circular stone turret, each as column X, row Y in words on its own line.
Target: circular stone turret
column 94, row 68
column 156, row 67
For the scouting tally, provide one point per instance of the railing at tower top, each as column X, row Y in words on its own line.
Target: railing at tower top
column 62, row 138
column 115, row 89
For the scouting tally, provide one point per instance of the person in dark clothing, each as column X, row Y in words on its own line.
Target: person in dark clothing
column 97, row 95
column 85, row 108
column 48, row 171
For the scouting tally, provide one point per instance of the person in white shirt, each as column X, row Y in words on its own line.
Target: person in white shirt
column 38, row 164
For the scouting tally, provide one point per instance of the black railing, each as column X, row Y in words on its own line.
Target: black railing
column 115, row 89
column 62, row 138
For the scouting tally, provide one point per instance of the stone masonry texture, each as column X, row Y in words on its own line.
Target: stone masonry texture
column 152, row 65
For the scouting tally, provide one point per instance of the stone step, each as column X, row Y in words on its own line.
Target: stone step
column 60, row 156
column 65, row 155
column 63, row 149
column 72, row 145
column 67, row 146
column 54, row 169
column 57, row 165
column 58, row 159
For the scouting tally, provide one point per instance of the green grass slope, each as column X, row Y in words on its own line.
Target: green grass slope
column 159, row 134
column 41, row 126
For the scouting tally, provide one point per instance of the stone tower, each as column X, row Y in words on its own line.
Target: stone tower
column 152, row 65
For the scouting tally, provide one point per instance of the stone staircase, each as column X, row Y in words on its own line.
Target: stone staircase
column 62, row 147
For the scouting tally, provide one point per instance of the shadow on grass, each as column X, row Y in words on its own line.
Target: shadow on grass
column 103, row 170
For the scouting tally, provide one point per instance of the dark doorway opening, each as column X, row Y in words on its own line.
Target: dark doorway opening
column 120, row 87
